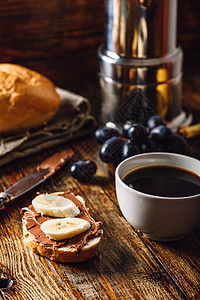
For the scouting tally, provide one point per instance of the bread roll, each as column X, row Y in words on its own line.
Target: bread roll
column 28, row 100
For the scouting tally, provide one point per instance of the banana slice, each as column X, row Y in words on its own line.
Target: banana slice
column 55, row 206
column 60, row 229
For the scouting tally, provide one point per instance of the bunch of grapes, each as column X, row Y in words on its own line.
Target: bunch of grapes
column 130, row 139
column 134, row 138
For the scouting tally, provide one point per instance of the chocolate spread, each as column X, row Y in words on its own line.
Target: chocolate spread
column 33, row 221
column 56, row 161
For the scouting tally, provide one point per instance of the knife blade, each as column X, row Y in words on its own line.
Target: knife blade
column 43, row 171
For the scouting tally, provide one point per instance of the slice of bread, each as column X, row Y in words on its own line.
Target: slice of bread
column 79, row 248
column 62, row 254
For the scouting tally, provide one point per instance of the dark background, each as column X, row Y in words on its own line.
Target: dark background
column 59, row 38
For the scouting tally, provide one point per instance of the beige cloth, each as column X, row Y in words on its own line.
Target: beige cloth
column 73, row 120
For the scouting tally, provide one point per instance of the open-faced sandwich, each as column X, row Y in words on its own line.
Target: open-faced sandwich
column 59, row 227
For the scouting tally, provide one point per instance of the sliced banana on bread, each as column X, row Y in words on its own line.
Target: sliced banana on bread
column 59, row 227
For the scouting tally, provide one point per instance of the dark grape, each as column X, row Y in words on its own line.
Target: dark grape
column 161, row 134
column 129, row 149
column 155, row 121
column 137, row 132
column 177, row 144
column 150, row 146
column 103, row 134
column 83, row 170
column 110, row 151
column 125, row 128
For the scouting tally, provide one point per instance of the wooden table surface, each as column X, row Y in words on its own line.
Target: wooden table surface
column 129, row 266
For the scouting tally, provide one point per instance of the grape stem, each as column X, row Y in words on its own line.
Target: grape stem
column 190, row 131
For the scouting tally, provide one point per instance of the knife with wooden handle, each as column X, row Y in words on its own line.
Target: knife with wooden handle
column 43, row 171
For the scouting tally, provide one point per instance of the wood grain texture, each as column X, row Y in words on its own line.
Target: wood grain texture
column 125, row 267
column 60, row 39
column 46, row 29
column 49, row 36
column 183, row 263
column 176, row 257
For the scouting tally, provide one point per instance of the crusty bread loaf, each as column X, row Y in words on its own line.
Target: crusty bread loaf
column 28, row 100
column 80, row 247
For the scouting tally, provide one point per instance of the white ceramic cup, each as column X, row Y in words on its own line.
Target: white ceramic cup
column 158, row 218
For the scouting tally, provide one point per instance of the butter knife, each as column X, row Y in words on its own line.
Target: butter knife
column 43, row 171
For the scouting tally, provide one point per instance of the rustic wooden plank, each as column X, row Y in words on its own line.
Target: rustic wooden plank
column 181, row 259
column 40, row 29
column 29, row 275
column 60, row 38
column 124, row 269
column 174, row 257
column 36, row 29
column 108, row 188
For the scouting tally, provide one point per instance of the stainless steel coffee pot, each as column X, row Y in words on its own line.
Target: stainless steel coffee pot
column 140, row 54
